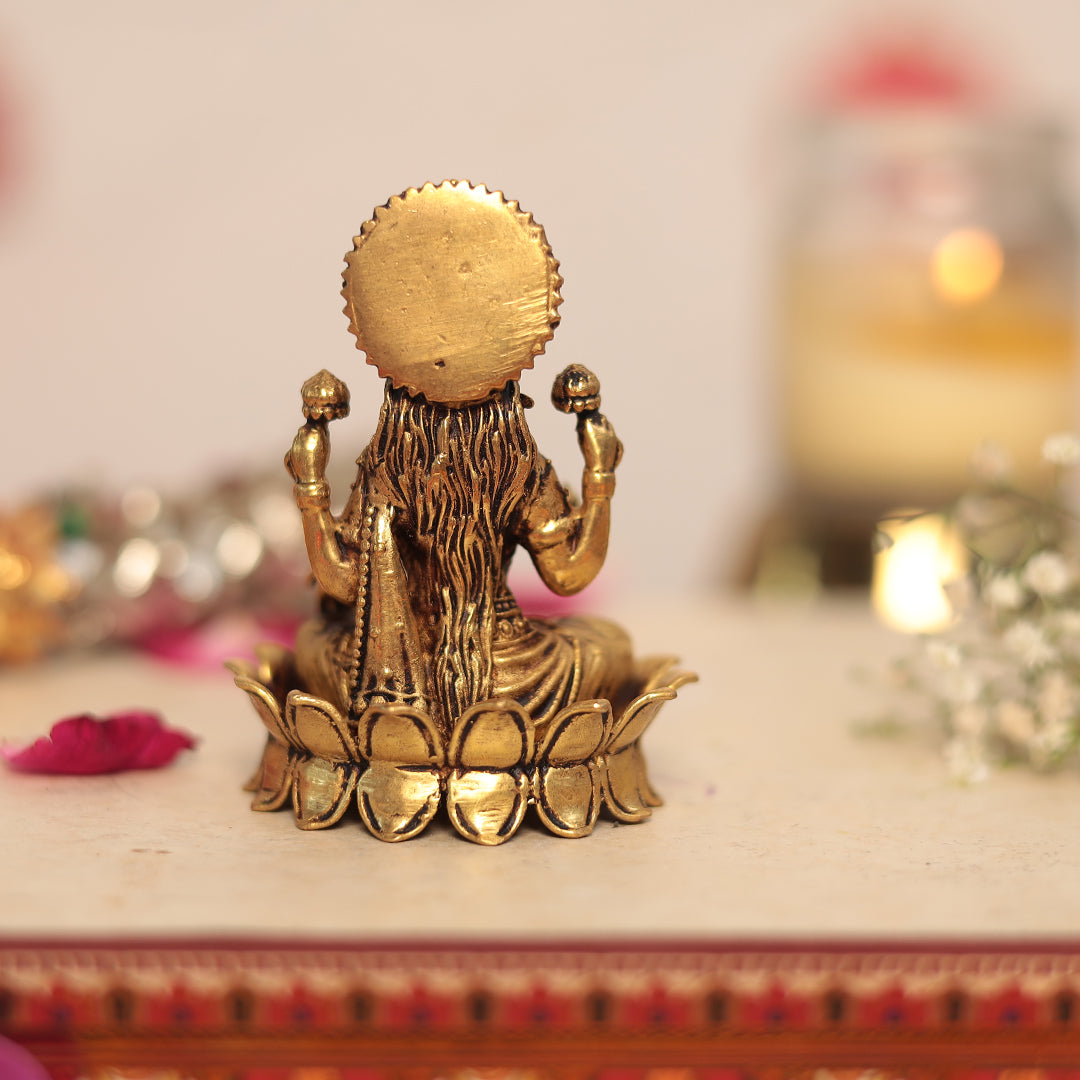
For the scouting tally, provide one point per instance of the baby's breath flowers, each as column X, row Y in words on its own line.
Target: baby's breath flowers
column 1026, row 641
column 1003, row 592
column 1047, row 574
column 1004, row 677
column 1062, row 449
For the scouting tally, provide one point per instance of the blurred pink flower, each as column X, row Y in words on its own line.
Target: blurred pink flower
column 86, row 745
column 208, row 645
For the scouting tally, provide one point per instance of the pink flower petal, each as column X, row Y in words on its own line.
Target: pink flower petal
column 17, row 1063
column 87, row 745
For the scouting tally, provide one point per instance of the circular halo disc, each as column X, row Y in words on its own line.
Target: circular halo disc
column 451, row 291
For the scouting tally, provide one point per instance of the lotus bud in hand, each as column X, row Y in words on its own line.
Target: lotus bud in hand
column 325, row 396
column 576, row 390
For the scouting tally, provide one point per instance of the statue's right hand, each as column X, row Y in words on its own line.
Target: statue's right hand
column 309, row 453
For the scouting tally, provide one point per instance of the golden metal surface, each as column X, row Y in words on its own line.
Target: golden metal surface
column 421, row 683
column 451, row 291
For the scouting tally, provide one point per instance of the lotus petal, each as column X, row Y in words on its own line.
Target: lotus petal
column 266, row 705
column 654, row 672
column 620, row 777
column 275, row 776
column 400, row 735
column 493, row 735
column 322, row 791
column 648, row 792
column 396, row 802
column 651, row 672
column 576, row 733
column 566, row 787
column 568, row 797
column 243, row 669
column 487, row 806
column 488, row 792
column 678, row 679
column 639, row 714
column 276, row 664
column 627, row 791
column 626, row 788
column 318, row 727
column 89, row 745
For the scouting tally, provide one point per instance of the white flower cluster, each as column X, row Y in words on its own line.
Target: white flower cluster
column 1062, row 449
column 1005, row 677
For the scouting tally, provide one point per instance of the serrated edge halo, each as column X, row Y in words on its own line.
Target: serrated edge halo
column 528, row 224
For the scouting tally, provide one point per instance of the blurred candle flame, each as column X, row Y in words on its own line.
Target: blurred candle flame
column 924, row 553
column 966, row 265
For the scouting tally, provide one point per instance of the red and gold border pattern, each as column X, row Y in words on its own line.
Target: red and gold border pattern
column 681, row 1011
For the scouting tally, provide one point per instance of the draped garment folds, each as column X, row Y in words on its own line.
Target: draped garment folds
column 434, row 624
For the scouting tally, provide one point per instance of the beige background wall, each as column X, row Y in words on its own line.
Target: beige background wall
column 190, row 175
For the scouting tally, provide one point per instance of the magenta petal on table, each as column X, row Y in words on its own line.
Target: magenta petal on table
column 88, row 745
column 18, row 1064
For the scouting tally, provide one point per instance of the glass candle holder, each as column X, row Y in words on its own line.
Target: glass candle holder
column 927, row 305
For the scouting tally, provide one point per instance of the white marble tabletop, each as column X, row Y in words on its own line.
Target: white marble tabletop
column 779, row 823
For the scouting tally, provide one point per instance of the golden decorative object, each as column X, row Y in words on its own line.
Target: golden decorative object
column 451, row 291
column 325, row 397
column 420, row 683
column 576, row 390
column 34, row 585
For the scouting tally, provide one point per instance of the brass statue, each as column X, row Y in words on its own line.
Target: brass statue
column 420, row 678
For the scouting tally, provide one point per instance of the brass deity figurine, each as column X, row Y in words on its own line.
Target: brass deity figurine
column 420, row 679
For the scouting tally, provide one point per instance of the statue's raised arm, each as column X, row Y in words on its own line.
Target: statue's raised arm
column 325, row 398
column 568, row 544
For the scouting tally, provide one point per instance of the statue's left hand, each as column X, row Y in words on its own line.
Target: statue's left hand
column 310, row 451
column 600, row 446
